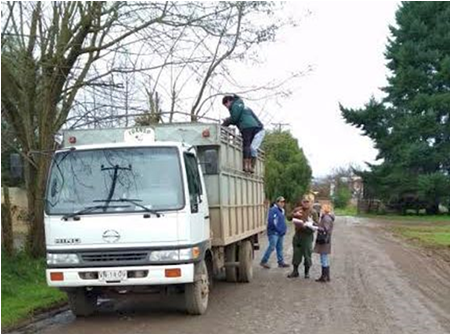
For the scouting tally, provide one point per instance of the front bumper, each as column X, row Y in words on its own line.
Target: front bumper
column 155, row 275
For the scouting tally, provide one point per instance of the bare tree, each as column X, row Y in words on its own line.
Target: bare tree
column 190, row 66
column 154, row 114
column 7, row 228
column 48, row 53
column 231, row 38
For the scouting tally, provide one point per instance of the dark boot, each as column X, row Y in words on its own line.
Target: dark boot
column 294, row 272
column 327, row 274
column 253, row 164
column 307, row 272
column 322, row 277
column 247, row 165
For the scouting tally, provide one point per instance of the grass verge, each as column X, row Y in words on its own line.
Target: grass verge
column 411, row 218
column 429, row 231
column 348, row 211
column 434, row 236
column 24, row 289
column 352, row 211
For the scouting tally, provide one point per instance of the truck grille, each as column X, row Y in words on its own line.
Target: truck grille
column 114, row 257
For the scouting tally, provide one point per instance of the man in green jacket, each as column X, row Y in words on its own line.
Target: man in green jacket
column 304, row 236
column 252, row 130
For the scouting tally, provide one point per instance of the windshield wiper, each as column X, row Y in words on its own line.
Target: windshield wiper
column 132, row 201
column 90, row 209
column 116, row 169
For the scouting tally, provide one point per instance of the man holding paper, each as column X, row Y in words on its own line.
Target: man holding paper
column 304, row 219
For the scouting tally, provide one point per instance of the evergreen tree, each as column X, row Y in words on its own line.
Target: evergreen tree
column 411, row 126
column 287, row 171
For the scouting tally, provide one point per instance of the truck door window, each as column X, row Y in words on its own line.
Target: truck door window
column 193, row 179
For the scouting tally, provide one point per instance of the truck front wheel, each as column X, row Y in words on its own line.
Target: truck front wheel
column 81, row 302
column 197, row 293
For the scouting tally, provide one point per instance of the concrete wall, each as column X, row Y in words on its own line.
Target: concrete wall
column 19, row 203
column 18, row 197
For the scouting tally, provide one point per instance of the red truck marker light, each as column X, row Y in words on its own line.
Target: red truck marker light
column 56, row 276
column 206, row 133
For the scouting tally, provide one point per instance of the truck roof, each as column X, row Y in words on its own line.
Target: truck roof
column 179, row 145
column 192, row 134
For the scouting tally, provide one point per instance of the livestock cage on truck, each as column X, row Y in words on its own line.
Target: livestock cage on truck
column 236, row 198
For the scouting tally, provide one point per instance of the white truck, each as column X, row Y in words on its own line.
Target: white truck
column 153, row 209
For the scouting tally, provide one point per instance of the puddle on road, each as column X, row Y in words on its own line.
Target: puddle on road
column 349, row 220
column 62, row 318
column 357, row 221
column 52, row 319
column 106, row 307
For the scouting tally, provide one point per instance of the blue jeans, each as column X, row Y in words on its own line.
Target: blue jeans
column 256, row 143
column 275, row 242
column 324, row 260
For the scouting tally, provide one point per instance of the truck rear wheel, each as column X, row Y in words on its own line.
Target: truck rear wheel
column 81, row 302
column 245, row 262
column 231, row 272
column 197, row 293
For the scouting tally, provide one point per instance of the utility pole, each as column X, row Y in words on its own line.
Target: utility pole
column 280, row 125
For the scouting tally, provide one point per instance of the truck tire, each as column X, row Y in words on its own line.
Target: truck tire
column 231, row 273
column 82, row 303
column 210, row 267
column 197, row 293
column 245, row 262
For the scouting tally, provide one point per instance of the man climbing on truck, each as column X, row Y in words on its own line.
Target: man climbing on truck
column 251, row 128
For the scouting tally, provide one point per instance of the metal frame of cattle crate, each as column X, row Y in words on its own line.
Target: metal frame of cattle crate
column 241, row 195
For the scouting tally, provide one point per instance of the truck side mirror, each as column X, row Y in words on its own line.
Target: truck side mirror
column 16, row 166
column 211, row 161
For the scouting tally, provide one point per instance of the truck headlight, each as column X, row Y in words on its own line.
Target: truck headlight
column 169, row 255
column 57, row 258
column 175, row 255
column 189, row 253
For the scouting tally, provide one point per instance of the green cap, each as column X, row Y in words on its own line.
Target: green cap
column 280, row 199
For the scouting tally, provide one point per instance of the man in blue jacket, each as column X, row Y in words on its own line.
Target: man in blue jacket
column 276, row 229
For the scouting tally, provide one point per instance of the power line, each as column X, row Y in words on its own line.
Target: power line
column 280, row 125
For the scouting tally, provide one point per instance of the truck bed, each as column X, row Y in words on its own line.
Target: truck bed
column 236, row 198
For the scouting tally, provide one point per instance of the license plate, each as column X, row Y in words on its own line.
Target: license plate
column 112, row 275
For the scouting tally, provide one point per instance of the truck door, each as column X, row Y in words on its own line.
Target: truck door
column 197, row 198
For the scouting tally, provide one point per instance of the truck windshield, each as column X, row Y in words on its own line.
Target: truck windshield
column 150, row 177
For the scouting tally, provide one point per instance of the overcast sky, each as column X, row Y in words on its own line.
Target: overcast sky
column 345, row 43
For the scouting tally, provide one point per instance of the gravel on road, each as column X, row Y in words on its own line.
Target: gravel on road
column 379, row 285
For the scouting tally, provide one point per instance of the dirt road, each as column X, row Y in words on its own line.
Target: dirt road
column 379, row 285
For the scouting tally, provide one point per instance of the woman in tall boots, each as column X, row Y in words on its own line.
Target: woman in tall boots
column 323, row 241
